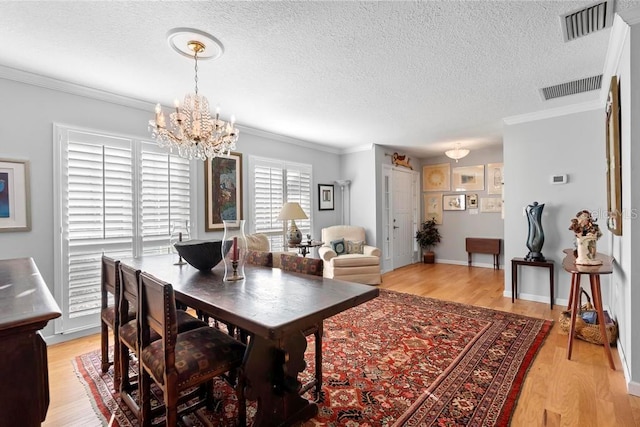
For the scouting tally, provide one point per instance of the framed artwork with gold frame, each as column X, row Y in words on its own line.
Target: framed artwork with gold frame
column 614, row 172
column 436, row 177
column 433, row 207
column 223, row 191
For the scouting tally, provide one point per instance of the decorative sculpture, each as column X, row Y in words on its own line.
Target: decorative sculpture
column 399, row 160
column 535, row 239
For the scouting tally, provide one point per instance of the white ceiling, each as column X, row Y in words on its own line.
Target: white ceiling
column 418, row 76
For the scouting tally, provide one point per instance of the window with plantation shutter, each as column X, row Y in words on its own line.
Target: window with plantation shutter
column 275, row 182
column 116, row 196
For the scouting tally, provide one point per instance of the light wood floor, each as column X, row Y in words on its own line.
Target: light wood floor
column 557, row 392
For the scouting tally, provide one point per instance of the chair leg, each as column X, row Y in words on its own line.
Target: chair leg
column 318, row 337
column 144, row 416
column 242, row 404
column 116, row 361
column 104, row 346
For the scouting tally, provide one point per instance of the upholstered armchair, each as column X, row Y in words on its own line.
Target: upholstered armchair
column 346, row 255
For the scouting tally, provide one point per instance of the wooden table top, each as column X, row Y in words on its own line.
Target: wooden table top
column 268, row 302
column 569, row 264
column 24, row 296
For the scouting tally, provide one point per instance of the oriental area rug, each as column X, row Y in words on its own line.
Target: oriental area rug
column 398, row 360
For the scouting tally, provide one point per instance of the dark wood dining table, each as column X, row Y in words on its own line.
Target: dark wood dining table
column 274, row 307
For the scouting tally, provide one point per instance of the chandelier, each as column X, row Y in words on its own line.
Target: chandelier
column 193, row 132
column 457, row 153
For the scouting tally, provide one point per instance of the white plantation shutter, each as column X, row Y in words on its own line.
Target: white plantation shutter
column 275, row 182
column 111, row 203
column 164, row 196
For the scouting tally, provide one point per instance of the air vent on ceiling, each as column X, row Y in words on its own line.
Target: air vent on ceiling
column 571, row 88
column 587, row 20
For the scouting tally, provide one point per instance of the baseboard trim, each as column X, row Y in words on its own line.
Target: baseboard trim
column 537, row 298
column 59, row 338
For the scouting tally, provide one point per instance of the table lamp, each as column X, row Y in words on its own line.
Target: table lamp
column 292, row 211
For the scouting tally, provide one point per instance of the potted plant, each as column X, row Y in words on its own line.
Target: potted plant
column 428, row 236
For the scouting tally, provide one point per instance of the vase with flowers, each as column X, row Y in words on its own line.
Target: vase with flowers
column 587, row 233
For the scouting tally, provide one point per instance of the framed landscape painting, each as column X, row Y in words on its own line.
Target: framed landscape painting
column 468, row 178
column 15, row 211
column 223, row 191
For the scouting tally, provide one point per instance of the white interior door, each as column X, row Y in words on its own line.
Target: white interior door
column 403, row 215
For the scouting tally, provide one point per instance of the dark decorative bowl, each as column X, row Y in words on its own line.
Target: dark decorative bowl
column 201, row 254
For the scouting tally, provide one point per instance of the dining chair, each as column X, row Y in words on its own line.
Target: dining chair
column 110, row 316
column 130, row 338
column 179, row 361
column 313, row 266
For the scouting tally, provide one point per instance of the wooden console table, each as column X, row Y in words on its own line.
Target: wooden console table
column 515, row 262
column 26, row 306
column 484, row 246
column 594, row 272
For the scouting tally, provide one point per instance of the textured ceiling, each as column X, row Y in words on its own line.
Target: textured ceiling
column 415, row 75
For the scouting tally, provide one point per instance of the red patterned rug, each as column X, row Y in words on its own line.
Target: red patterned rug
column 399, row 360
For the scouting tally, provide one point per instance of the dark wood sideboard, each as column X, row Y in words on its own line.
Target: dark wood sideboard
column 26, row 306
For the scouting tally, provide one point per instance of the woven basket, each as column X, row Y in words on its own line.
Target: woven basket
column 586, row 331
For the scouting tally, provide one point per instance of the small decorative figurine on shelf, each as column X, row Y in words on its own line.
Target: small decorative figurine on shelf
column 399, row 160
column 587, row 233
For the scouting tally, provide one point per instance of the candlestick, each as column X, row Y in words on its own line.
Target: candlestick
column 235, row 248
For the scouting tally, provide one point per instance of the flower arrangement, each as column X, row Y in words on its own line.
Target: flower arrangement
column 585, row 225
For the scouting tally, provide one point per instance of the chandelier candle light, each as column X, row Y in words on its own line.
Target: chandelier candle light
column 193, row 132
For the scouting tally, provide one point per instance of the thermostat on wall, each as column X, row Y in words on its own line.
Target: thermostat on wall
column 559, row 179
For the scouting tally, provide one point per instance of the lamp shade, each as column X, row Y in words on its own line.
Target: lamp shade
column 292, row 210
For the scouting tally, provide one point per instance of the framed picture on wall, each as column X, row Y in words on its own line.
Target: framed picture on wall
column 325, row 197
column 494, row 178
column 454, row 202
column 614, row 175
column 15, row 208
column 468, row 178
column 433, row 207
column 436, row 177
column 223, row 191
column 491, row 204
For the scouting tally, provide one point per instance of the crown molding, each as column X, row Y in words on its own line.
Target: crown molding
column 619, row 33
column 357, row 149
column 40, row 80
column 631, row 16
column 46, row 82
column 289, row 140
column 554, row 112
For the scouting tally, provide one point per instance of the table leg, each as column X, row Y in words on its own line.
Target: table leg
column 271, row 369
column 469, row 259
column 573, row 279
column 514, row 281
column 551, row 283
column 597, row 302
column 575, row 297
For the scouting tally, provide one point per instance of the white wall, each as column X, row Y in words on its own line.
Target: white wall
column 457, row 225
column 571, row 144
column 359, row 167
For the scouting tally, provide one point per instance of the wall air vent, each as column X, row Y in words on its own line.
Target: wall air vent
column 571, row 88
column 587, row 20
